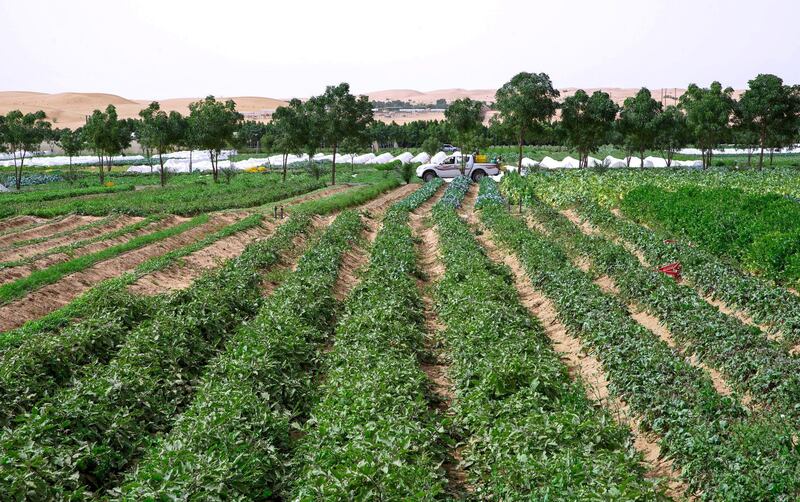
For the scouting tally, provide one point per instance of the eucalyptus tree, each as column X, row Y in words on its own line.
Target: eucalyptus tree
column 708, row 116
column 212, row 125
column 465, row 116
column 526, row 104
column 672, row 132
column 289, row 129
column 587, row 121
column 314, row 117
column 161, row 131
column 107, row 136
column 21, row 134
column 769, row 108
column 72, row 142
column 345, row 116
column 638, row 121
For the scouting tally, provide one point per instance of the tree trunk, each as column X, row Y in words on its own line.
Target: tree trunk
column 214, row 166
column 519, row 161
column 285, row 158
column 102, row 171
column 771, row 153
column 190, row 160
column 333, row 169
column 17, row 170
column 163, row 173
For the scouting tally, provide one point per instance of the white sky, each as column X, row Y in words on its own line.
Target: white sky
column 169, row 48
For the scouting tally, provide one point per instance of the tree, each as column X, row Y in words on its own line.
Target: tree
column 769, row 108
column 72, row 143
column 250, row 133
column 526, row 103
column 353, row 145
column 289, row 128
column 23, row 133
column 672, row 132
column 465, row 116
column 212, row 124
column 587, row 121
column 431, row 145
column 639, row 122
column 345, row 116
column 314, row 119
column 106, row 135
column 161, row 132
column 708, row 115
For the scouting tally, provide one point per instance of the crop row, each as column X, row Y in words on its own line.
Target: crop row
column 233, row 440
column 185, row 199
column 762, row 232
column 751, row 361
column 723, row 453
column 530, row 430
column 43, row 362
column 372, row 434
column 81, row 440
column 765, row 301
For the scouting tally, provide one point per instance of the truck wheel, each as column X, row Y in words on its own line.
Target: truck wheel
column 428, row 175
column 477, row 176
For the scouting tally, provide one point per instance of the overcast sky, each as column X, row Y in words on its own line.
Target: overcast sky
column 170, row 48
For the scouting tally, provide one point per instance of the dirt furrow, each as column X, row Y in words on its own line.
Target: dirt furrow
column 192, row 266
column 14, row 222
column 580, row 363
column 37, row 248
column 53, row 296
column 436, row 365
column 13, row 273
column 48, row 229
column 653, row 324
column 588, row 229
column 357, row 258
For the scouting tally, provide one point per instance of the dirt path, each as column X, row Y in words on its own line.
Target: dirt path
column 36, row 248
column 436, row 365
column 53, row 296
column 14, row 222
column 578, row 360
column 47, row 229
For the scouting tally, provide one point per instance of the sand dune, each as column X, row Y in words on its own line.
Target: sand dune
column 69, row 109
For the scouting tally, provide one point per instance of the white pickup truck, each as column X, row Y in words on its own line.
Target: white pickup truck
column 450, row 167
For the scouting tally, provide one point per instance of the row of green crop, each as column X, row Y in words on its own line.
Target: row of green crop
column 752, row 362
column 233, row 440
column 13, row 201
column 530, row 431
column 199, row 196
column 372, row 435
column 566, row 186
column 761, row 232
column 766, row 302
column 42, row 362
column 80, row 440
column 91, row 303
column 723, row 453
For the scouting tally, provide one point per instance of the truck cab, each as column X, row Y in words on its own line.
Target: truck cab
column 450, row 168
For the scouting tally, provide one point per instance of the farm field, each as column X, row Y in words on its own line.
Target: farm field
column 516, row 340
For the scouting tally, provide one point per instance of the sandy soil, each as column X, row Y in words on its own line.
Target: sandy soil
column 18, row 253
column 14, row 222
column 47, row 229
column 14, row 273
column 580, row 363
